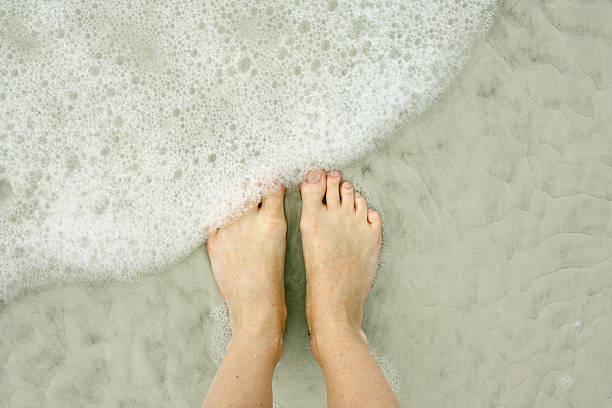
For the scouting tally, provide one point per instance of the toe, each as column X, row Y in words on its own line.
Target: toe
column 374, row 218
column 313, row 190
column 332, row 195
column 361, row 207
column 272, row 204
column 348, row 196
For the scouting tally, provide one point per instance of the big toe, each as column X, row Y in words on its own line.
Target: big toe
column 313, row 190
column 272, row 204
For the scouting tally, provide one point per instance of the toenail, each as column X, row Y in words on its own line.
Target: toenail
column 347, row 185
column 334, row 174
column 313, row 177
column 357, row 194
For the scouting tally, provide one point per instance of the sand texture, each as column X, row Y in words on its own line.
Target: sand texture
column 496, row 285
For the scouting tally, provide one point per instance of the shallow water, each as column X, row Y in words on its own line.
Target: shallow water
column 496, row 287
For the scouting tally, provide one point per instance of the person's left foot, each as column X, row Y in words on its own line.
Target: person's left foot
column 247, row 259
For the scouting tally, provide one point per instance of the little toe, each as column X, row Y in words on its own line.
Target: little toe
column 313, row 190
column 272, row 204
column 332, row 195
column 374, row 218
column 348, row 196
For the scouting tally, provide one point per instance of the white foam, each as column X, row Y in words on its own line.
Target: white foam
column 127, row 128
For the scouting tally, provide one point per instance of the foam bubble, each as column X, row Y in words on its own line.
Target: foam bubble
column 127, row 128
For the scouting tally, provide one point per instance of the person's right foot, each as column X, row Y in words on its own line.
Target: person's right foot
column 341, row 241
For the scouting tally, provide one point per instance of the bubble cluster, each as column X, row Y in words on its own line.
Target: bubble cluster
column 129, row 127
column 221, row 334
column 565, row 381
column 389, row 371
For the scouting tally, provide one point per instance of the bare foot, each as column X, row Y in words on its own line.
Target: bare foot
column 341, row 242
column 247, row 259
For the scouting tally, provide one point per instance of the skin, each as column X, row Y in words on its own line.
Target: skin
column 341, row 243
column 247, row 259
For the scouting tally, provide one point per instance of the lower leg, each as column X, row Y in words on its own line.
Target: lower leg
column 244, row 378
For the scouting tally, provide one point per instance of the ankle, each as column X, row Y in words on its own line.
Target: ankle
column 259, row 321
column 262, row 332
column 340, row 322
column 327, row 338
column 265, row 348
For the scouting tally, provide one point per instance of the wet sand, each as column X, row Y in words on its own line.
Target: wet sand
column 496, row 285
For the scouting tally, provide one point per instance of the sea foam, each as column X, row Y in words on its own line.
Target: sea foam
column 129, row 127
